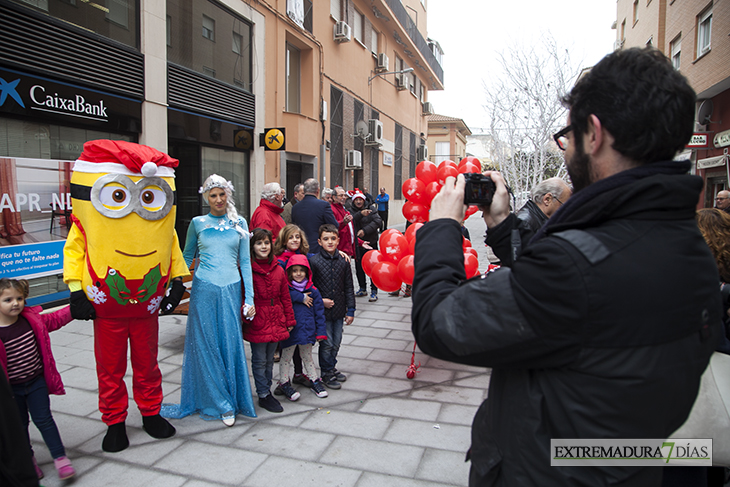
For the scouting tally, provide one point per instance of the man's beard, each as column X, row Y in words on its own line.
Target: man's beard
column 579, row 169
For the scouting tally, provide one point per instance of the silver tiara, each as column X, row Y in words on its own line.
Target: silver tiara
column 216, row 184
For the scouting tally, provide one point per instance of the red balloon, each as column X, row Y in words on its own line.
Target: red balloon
column 411, row 231
column 412, row 247
column 447, row 162
column 394, row 247
column 385, row 276
column 470, row 167
column 445, row 171
column 431, row 191
column 473, row 251
column 471, row 210
column 415, row 212
column 413, row 190
column 384, row 235
column 371, row 258
column 471, row 159
column 476, row 273
column 465, row 243
column 471, row 264
column 405, row 269
column 426, row 171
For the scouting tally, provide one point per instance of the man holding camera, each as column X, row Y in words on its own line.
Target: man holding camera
column 602, row 327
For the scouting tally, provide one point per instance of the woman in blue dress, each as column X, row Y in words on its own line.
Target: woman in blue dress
column 215, row 380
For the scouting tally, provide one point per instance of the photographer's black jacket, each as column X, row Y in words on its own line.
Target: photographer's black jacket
column 601, row 329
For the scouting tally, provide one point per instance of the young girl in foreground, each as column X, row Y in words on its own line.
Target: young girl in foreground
column 25, row 353
column 274, row 316
column 309, row 312
column 291, row 241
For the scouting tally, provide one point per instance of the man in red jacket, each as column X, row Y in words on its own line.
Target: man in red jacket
column 268, row 213
column 344, row 221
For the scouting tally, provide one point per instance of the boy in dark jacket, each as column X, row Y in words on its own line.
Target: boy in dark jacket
column 332, row 275
column 367, row 223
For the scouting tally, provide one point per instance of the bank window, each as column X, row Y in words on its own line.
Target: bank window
column 704, row 31
column 208, row 28
column 293, row 79
column 237, row 43
column 675, row 48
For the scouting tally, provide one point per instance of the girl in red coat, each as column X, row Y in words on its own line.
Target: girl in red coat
column 25, row 354
column 274, row 316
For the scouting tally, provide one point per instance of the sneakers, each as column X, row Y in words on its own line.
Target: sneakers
column 318, row 388
column 361, row 293
column 38, row 470
column 331, row 381
column 289, row 391
column 302, row 380
column 395, row 293
column 278, row 391
column 229, row 419
column 270, row 404
column 64, row 468
column 277, row 356
column 339, row 375
column 373, row 298
column 407, row 292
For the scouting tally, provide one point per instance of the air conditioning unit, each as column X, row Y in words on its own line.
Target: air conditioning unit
column 427, row 108
column 402, row 82
column 375, row 132
column 421, row 153
column 618, row 44
column 343, row 33
column 382, row 62
column 354, row 159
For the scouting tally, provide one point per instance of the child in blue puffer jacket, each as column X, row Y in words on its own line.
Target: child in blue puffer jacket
column 310, row 328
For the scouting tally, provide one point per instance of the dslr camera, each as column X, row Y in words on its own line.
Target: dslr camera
column 479, row 189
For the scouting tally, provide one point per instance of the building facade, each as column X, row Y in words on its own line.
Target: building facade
column 447, row 138
column 694, row 35
column 202, row 80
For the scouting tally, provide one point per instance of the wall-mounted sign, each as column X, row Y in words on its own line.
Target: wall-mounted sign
column 273, row 139
column 722, row 139
column 243, row 139
column 699, row 140
column 387, row 159
column 41, row 98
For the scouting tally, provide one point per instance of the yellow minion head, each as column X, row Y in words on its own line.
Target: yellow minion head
column 123, row 195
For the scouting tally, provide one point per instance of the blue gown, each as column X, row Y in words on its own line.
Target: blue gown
column 215, row 378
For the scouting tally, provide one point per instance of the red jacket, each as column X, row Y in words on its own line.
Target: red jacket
column 347, row 230
column 42, row 325
column 268, row 216
column 274, row 314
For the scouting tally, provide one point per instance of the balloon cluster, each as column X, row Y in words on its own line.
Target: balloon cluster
column 392, row 265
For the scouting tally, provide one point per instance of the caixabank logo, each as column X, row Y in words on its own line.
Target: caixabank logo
column 631, row 452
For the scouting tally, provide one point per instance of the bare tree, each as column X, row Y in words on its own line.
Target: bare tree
column 524, row 109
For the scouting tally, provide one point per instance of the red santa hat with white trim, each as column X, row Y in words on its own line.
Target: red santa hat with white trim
column 122, row 157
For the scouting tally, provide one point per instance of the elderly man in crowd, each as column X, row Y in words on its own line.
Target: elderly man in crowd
column 268, row 213
column 296, row 198
column 722, row 201
column 311, row 213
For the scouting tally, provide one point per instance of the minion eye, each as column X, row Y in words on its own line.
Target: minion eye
column 152, row 198
column 114, row 196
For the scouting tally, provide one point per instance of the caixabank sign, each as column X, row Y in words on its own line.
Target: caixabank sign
column 48, row 100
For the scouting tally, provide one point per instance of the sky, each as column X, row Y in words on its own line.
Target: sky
column 472, row 33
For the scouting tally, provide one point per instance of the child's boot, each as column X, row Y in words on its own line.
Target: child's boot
column 64, row 468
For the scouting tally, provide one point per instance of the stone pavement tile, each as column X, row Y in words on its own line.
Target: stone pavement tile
column 424, row 374
column 164, row 352
column 167, row 368
column 220, row 434
column 374, row 456
column 381, row 343
column 82, row 465
column 66, row 339
column 176, row 359
column 76, row 401
column 86, row 343
column 377, row 385
column 309, row 401
column 383, row 315
column 298, row 473
column 194, row 424
column 80, row 378
column 199, row 483
column 429, row 434
column 403, row 309
column 113, row 474
column 285, row 442
column 443, row 364
column 347, row 338
column 293, row 420
column 477, row 381
column 79, row 327
column 390, row 324
column 74, row 430
column 457, row 414
column 444, row 467
column 460, row 374
column 362, row 426
column 175, row 376
column 211, row 462
column 406, row 335
column 365, row 330
column 370, row 479
column 73, row 356
column 450, row 394
column 351, row 352
column 367, row 367
column 170, row 392
column 403, row 408
column 146, row 454
column 391, row 356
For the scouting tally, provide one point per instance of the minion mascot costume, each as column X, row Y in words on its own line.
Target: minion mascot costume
column 121, row 254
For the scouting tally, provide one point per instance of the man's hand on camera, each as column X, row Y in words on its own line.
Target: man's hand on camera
column 499, row 209
column 449, row 202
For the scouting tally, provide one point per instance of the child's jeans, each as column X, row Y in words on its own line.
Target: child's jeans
column 328, row 348
column 32, row 397
column 262, row 365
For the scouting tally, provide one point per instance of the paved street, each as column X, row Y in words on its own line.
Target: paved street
column 380, row 429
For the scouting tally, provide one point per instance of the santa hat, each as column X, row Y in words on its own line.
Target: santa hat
column 358, row 194
column 122, row 157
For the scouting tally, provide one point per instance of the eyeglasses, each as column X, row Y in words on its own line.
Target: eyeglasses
column 721, row 198
column 556, row 198
column 561, row 139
